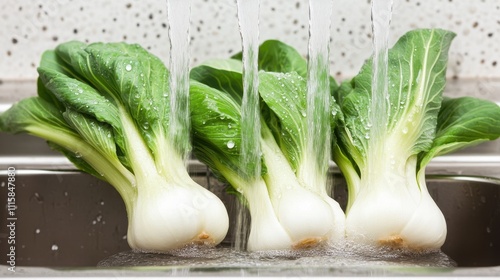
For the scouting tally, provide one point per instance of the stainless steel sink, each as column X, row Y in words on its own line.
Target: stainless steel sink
column 70, row 219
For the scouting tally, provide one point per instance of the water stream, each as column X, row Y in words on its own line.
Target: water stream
column 248, row 20
column 178, row 17
column 381, row 14
column 318, row 87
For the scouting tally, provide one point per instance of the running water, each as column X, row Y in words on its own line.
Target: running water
column 318, row 90
column 248, row 19
column 381, row 14
column 178, row 16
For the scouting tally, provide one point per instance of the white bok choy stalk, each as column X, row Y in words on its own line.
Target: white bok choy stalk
column 106, row 107
column 389, row 204
column 286, row 210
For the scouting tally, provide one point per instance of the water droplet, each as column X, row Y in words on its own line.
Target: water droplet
column 405, row 130
column 78, row 155
column 102, row 202
column 37, row 231
column 303, row 114
column 128, row 67
column 145, row 125
column 229, row 126
column 230, row 144
column 2, row 184
column 55, row 247
column 367, row 136
column 488, row 230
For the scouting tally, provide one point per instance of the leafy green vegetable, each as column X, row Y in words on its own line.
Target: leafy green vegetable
column 106, row 107
column 385, row 165
column 286, row 210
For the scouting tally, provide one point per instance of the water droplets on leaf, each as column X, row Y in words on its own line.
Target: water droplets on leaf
column 230, row 144
column 128, row 67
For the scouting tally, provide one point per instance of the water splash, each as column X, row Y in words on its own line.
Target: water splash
column 178, row 16
column 317, row 261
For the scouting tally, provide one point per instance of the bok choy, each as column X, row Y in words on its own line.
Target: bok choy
column 389, row 204
column 287, row 209
column 106, row 107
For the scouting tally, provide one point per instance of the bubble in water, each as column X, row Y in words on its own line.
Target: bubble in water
column 230, row 144
column 55, row 247
column 128, row 67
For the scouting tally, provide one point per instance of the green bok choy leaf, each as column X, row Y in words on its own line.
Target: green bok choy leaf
column 287, row 210
column 388, row 201
column 106, row 107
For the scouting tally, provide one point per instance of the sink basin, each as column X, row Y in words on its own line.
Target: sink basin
column 68, row 219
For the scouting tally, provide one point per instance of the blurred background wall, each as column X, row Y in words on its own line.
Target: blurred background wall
column 30, row 27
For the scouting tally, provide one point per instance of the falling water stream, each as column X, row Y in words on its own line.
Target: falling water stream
column 381, row 14
column 248, row 20
column 318, row 110
column 318, row 88
column 178, row 18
